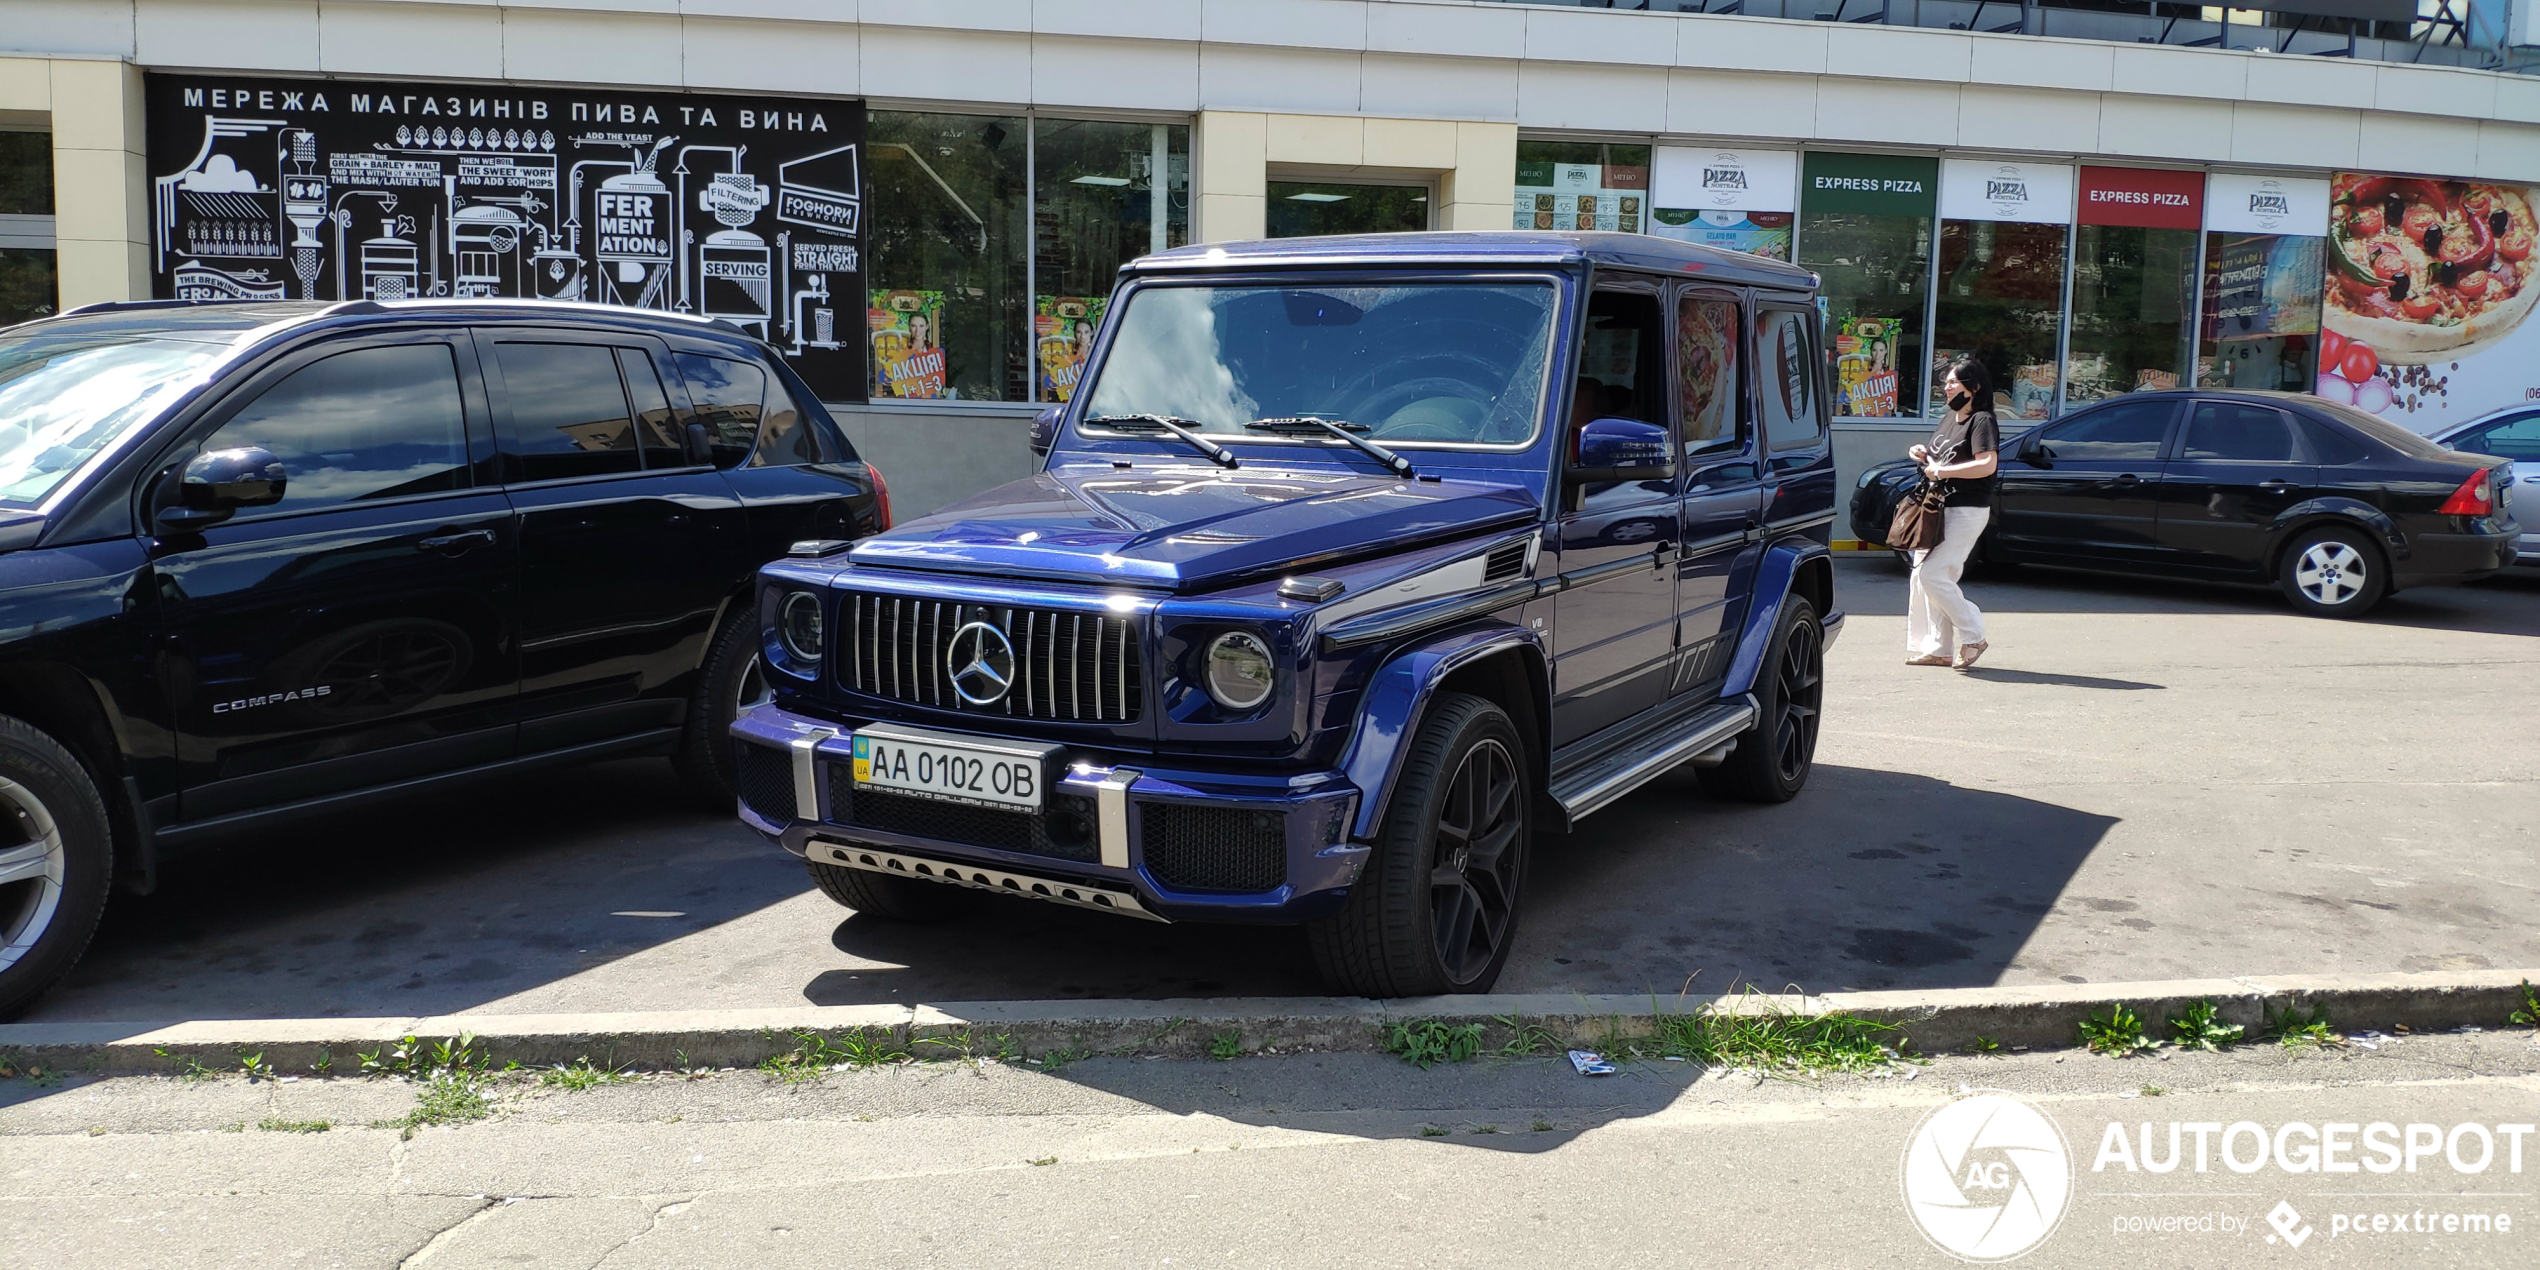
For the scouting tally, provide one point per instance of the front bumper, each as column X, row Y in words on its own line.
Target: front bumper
column 1186, row 844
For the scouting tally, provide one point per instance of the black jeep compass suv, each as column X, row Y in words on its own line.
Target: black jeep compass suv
column 258, row 560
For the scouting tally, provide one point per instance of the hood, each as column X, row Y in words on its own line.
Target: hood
column 1190, row 528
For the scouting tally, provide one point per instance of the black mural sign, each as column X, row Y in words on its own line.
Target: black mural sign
column 749, row 209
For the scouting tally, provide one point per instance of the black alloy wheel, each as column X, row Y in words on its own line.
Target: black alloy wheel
column 1772, row 761
column 732, row 680
column 1472, row 886
column 1435, row 906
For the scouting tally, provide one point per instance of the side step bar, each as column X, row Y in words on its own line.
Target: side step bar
column 895, row 864
column 1589, row 788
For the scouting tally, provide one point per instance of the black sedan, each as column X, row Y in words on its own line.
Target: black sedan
column 2333, row 505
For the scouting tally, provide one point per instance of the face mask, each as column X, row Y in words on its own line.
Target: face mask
column 1958, row 401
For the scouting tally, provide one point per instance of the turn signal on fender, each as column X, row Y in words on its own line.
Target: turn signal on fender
column 2475, row 497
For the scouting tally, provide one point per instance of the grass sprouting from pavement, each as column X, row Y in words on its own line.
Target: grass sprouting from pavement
column 2117, row 1033
column 2295, row 1028
column 1764, row 1038
column 1430, row 1042
column 272, row 1124
column 2529, row 1014
column 816, row 1054
column 581, row 1075
column 2200, row 1027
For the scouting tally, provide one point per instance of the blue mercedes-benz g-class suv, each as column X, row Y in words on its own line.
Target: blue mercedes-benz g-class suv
column 1351, row 563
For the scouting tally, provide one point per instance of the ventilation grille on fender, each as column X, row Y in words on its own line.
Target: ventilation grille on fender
column 1505, row 563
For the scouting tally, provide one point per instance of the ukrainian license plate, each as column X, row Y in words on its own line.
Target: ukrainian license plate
column 951, row 768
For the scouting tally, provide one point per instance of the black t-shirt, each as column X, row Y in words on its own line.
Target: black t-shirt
column 1958, row 440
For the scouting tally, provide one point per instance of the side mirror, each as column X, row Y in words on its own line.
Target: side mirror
column 217, row 483
column 697, row 445
column 1045, row 431
column 2034, row 453
column 1622, row 450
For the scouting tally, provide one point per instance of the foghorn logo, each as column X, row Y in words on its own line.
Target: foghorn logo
column 1987, row 1176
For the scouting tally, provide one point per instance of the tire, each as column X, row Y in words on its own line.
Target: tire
column 891, row 899
column 57, row 851
column 2333, row 572
column 1772, row 761
column 1435, row 910
column 731, row 679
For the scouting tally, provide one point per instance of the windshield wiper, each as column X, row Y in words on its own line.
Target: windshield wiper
column 1341, row 428
column 1177, row 426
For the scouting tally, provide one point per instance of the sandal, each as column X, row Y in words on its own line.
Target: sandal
column 1928, row 659
column 1967, row 654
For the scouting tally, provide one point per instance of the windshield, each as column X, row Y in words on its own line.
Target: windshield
column 66, row 394
column 1444, row 362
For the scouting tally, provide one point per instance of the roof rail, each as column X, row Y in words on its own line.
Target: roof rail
column 352, row 308
column 127, row 306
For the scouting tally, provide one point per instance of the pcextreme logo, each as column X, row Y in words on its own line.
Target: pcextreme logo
column 1987, row 1176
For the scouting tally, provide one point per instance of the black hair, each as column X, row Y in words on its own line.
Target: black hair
column 1973, row 377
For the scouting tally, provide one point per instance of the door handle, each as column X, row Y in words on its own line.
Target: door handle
column 456, row 544
column 2275, row 486
column 2124, row 481
column 1658, row 555
column 677, row 518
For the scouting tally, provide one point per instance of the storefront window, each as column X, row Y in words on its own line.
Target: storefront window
column 2134, row 279
column 1104, row 194
column 2263, row 260
column 947, row 266
column 2000, row 297
column 27, row 288
column 1582, row 185
column 1865, row 227
column 1300, row 209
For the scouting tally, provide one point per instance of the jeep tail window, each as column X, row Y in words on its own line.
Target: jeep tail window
column 370, row 423
column 1707, row 387
column 785, row 435
column 66, row 394
column 1413, row 363
column 568, row 412
column 1786, row 381
column 727, row 395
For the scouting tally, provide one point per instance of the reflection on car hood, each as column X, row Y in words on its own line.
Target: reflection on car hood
column 1185, row 528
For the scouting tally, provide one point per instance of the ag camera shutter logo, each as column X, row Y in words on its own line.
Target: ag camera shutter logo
column 1987, row 1176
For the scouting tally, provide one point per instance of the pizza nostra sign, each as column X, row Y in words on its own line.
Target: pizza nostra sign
column 1869, row 184
column 2143, row 198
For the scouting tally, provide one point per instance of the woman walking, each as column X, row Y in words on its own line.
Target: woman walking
column 1942, row 626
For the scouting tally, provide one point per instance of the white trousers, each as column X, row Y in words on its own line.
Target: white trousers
column 1938, row 616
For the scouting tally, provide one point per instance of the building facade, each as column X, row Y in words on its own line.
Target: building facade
column 2087, row 216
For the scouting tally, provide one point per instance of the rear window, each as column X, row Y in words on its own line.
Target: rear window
column 2382, row 430
column 751, row 414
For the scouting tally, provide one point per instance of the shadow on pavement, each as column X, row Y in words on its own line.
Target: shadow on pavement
column 1870, row 880
column 1874, row 585
column 999, row 949
column 2000, row 676
column 428, row 906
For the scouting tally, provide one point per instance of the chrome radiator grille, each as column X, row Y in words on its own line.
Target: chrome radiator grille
column 1067, row 667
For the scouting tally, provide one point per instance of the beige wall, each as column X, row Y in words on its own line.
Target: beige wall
column 1473, row 164
column 101, row 204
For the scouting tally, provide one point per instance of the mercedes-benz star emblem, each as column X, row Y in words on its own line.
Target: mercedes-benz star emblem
column 981, row 663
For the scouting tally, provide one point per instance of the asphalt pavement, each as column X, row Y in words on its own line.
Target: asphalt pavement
column 1310, row 1160
column 2144, row 780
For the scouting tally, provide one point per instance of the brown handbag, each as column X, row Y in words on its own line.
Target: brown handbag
column 1918, row 523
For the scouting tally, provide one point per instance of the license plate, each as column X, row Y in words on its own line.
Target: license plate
column 951, row 768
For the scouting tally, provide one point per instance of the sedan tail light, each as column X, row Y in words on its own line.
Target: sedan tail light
column 881, row 498
column 2475, row 497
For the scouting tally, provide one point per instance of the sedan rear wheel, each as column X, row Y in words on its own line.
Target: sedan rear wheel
column 2334, row 573
column 56, row 856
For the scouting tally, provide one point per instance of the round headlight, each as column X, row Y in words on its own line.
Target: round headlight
column 1238, row 670
column 798, row 626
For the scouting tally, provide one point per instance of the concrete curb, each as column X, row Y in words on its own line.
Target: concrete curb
column 1936, row 1021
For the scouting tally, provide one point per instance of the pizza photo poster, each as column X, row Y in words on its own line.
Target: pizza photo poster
column 744, row 208
column 2429, row 286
